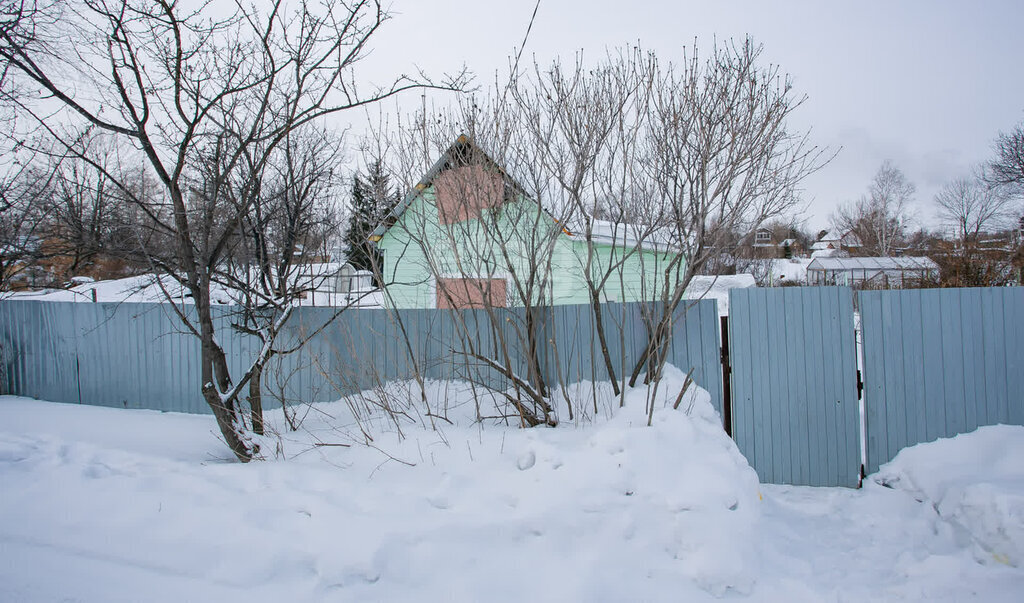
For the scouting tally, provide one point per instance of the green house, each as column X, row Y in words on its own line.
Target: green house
column 467, row 235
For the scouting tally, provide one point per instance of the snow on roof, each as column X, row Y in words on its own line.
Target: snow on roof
column 717, row 287
column 832, row 237
column 626, row 235
column 873, row 263
column 793, row 269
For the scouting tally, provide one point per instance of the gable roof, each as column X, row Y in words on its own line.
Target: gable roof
column 457, row 154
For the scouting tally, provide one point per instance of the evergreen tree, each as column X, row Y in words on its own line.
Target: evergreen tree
column 372, row 198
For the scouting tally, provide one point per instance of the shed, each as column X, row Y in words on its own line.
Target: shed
column 871, row 272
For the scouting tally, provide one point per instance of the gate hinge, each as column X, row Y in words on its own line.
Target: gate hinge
column 860, row 386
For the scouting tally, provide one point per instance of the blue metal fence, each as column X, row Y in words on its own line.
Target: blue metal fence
column 938, row 362
column 132, row 355
column 794, row 393
column 694, row 344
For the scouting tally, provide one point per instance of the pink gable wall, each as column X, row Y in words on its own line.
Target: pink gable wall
column 454, row 293
column 463, row 191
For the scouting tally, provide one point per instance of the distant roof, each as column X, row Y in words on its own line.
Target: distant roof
column 877, row 263
column 827, row 253
column 847, row 239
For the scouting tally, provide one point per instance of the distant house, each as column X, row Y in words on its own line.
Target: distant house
column 767, row 243
column 833, row 242
column 873, row 272
column 763, row 238
column 468, row 236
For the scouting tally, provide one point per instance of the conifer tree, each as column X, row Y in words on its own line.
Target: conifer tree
column 372, row 198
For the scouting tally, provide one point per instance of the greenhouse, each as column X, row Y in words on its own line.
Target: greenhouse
column 872, row 272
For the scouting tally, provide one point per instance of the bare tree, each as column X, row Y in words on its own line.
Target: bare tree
column 690, row 155
column 470, row 232
column 273, row 264
column 720, row 157
column 971, row 209
column 583, row 125
column 90, row 229
column 879, row 220
column 1006, row 170
column 189, row 92
column 24, row 191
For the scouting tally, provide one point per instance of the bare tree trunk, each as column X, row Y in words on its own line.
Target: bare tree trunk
column 256, row 399
column 533, row 353
column 217, row 379
column 595, row 303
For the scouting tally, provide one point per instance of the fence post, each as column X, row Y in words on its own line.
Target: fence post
column 726, row 372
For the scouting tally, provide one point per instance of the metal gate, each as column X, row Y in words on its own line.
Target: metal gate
column 795, row 411
column 938, row 362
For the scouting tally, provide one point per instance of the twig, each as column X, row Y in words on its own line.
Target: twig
column 686, row 385
column 445, row 419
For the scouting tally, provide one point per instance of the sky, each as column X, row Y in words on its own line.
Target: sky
column 926, row 85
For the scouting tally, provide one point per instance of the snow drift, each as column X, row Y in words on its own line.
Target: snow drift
column 975, row 481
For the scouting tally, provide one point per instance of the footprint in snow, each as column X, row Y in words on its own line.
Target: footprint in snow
column 439, row 501
column 527, row 460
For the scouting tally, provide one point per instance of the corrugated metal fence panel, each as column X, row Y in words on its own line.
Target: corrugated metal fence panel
column 696, row 344
column 938, row 362
column 574, row 348
column 139, row 356
column 136, row 356
column 306, row 374
column 795, row 409
column 39, row 350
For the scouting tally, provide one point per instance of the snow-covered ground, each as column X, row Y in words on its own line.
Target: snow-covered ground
column 788, row 271
column 144, row 288
column 101, row 504
column 147, row 289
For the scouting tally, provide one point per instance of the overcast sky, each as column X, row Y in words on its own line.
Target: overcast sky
column 925, row 84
